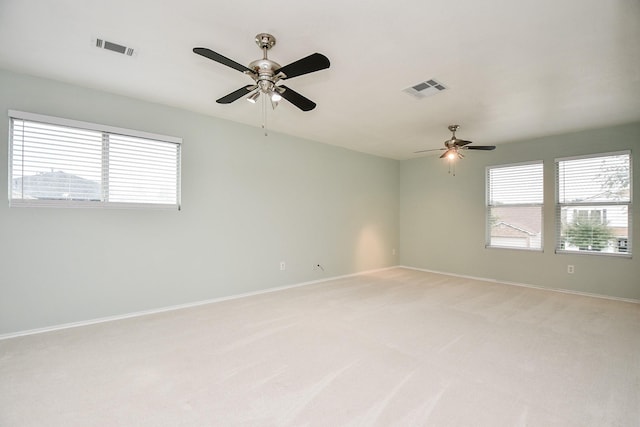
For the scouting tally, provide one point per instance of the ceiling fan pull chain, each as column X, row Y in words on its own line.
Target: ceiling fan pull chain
column 264, row 115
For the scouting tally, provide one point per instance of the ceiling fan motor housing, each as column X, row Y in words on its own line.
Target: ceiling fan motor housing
column 264, row 73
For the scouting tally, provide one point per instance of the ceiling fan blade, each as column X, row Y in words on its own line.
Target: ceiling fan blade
column 445, row 154
column 462, row 142
column 296, row 99
column 228, row 99
column 432, row 149
column 306, row 65
column 215, row 56
column 481, row 147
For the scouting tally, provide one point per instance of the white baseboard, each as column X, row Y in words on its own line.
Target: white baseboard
column 281, row 288
column 179, row 306
column 525, row 285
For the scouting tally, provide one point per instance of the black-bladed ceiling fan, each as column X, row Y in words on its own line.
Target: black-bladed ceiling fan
column 266, row 73
column 454, row 145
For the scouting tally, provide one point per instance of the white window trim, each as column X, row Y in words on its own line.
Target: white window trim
column 591, row 156
column 23, row 115
column 488, row 208
column 559, row 206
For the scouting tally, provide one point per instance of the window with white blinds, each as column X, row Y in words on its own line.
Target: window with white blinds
column 66, row 163
column 593, row 209
column 514, row 206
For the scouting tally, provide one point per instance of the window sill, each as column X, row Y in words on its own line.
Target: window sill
column 514, row 248
column 595, row 253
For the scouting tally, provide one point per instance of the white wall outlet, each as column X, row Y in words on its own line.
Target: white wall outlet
column 393, row 251
column 283, row 266
column 570, row 269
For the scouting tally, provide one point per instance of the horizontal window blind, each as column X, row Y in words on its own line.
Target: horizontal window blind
column 58, row 162
column 514, row 206
column 593, row 209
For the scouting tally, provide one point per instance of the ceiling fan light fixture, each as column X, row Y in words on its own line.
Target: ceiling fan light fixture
column 274, row 104
column 253, row 97
column 275, row 96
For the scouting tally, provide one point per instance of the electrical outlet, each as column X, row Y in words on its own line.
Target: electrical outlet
column 570, row 269
column 393, row 251
column 283, row 266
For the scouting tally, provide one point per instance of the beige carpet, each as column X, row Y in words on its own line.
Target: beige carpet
column 394, row 348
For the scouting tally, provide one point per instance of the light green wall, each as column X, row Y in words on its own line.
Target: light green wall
column 442, row 217
column 249, row 202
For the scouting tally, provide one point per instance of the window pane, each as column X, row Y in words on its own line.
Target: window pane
column 142, row 171
column 514, row 206
column 603, row 228
column 55, row 163
column 516, row 227
column 596, row 179
column 518, row 184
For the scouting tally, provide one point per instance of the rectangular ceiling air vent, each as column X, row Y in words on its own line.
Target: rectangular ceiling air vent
column 425, row 88
column 114, row 47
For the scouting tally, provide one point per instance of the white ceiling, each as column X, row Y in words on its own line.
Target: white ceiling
column 514, row 69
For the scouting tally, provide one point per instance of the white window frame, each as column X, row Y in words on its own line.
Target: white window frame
column 105, row 130
column 489, row 206
column 591, row 205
